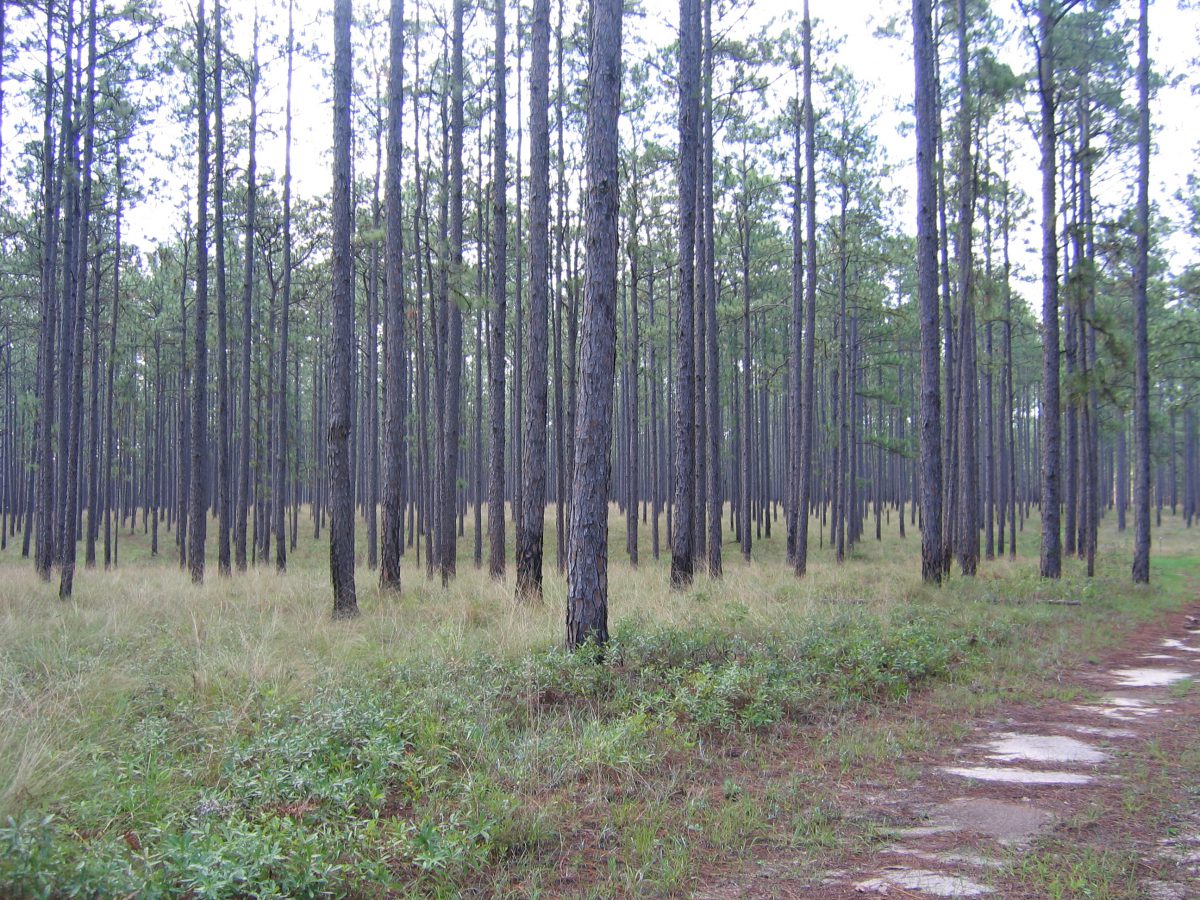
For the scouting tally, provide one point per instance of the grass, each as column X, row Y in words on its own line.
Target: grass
column 1063, row 871
column 230, row 740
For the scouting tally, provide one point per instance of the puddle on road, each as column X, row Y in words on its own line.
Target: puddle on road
column 1123, row 709
column 1016, row 775
column 1003, row 820
column 966, row 859
column 939, row 884
column 1043, row 748
column 1173, row 644
column 1148, row 677
column 1102, row 732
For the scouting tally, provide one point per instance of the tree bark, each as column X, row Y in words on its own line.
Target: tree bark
column 708, row 270
column 808, row 392
column 561, row 436
column 587, row 555
column 394, row 355
column 746, row 456
column 452, row 312
column 341, row 522
column 796, row 381
column 927, row 297
column 44, row 554
column 198, row 500
column 243, row 492
column 1141, row 379
column 499, row 319
column 109, row 544
column 533, row 516
column 967, row 392
column 71, row 486
column 1051, row 555
column 685, row 403
column 223, row 462
column 279, row 480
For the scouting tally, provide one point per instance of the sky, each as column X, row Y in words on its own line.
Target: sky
column 882, row 64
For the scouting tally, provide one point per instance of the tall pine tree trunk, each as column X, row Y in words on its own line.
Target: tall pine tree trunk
column 44, row 501
column 685, row 403
column 1051, row 555
column 223, row 460
column 1141, row 379
column 341, row 412
column 198, row 493
column 279, row 480
column 796, row 382
column 452, row 314
column 243, row 491
column 394, row 355
column 533, row 516
column 808, row 392
column 499, row 322
column 708, row 272
column 927, row 298
column 587, row 554
column 967, row 391
column 109, row 545
column 561, row 435
column 70, row 520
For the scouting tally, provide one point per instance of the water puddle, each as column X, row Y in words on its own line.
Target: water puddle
column 920, row 831
column 1133, row 704
column 1173, row 644
column 965, row 859
column 1123, row 709
column 939, row 884
column 1148, row 677
column 1102, row 732
column 1043, row 748
column 1016, row 775
column 1002, row 820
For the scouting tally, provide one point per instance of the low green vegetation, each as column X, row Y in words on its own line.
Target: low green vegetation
column 165, row 740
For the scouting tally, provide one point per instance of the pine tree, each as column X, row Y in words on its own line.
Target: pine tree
column 532, row 516
column 927, row 299
column 341, row 507
column 395, row 361
column 587, row 553
column 1141, row 381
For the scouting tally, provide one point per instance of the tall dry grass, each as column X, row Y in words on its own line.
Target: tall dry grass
column 71, row 672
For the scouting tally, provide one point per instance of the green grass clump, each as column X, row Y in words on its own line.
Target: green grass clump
column 415, row 774
column 1061, row 871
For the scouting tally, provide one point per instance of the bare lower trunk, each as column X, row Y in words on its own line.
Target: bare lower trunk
column 1141, row 381
column 499, row 321
column 927, row 298
column 533, row 515
column 1051, row 556
column 587, row 554
column 685, row 448
column 341, row 523
column 198, row 494
column 395, row 363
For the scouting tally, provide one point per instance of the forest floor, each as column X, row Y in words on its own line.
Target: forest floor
column 755, row 736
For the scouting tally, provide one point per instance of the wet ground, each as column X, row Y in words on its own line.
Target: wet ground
column 1024, row 775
